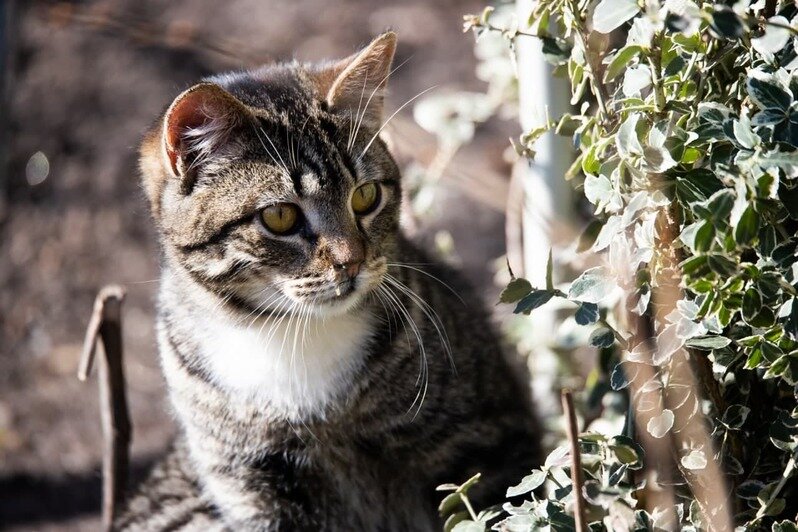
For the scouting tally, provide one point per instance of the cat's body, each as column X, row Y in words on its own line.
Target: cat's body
column 307, row 402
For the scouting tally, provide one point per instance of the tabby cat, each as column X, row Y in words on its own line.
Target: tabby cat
column 326, row 374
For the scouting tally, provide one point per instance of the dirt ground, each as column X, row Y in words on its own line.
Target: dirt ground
column 86, row 79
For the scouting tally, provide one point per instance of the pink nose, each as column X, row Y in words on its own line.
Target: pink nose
column 351, row 269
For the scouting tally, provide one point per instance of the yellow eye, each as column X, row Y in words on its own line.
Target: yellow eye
column 366, row 198
column 280, row 219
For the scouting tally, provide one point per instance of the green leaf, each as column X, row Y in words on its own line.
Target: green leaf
column 695, row 460
column 590, row 162
column 776, row 507
column 775, row 37
column 783, row 432
column 720, row 205
column 786, row 161
column 449, row 503
column 659, row 425
column 587, row 313
column 766, row 318
column 695, row 265
column 600, row 191
column 623, row 374
column 549, row 268
column 721, row 264
column 750, row 489
column 769, row 117
column 558, row 457
column 704, row 237
column 625, row 453
column 726, row 23
column 619, row 61
column 601, row 337
column 454, row 519
column 556, row 51
column 784, row 526
column 766, row 93
column 735, row 416
column 748, row 227
column 609, row 14
column 559, row 520
column 626, row 140
column 467, row 525
column 744, row 134
column 752, row 304
column 532, row 301
column 617, row 473
column 515, row 290
column 592, row 286
column 529, row 483
column 468, row 484
column 778, row 367
column 567, row 125
column 707, row 343
column 791, row 325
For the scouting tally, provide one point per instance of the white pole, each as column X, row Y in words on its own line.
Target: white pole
column 547, row 196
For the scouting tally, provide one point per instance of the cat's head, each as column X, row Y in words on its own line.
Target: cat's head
column 272, row 189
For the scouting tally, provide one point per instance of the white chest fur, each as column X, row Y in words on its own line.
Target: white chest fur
column 294, row 368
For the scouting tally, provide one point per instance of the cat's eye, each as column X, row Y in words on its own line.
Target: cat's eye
column 366, row 198
column 280, row 219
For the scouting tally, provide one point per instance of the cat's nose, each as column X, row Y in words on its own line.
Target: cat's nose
column 349, row 269
column 347, row 256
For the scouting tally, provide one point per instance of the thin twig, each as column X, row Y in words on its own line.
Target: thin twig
column 513, row 226
column 576, row 462
column 106, row 325
column 788, row 471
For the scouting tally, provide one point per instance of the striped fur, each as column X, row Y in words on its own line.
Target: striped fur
column 308, row 402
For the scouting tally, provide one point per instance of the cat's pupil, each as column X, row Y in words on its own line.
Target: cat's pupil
column 365, row 198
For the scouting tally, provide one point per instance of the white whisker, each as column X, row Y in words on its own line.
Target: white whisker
column 424, row 369
column 429, row 312
column 359, row 117
column 377, row 134
column 419, row 270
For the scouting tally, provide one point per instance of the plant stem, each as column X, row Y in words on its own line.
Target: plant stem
column 788, row 471
column 491, row 27
column 576, row 463
column 593, row 64
column 620, row 339
column 468, row 506
column 655, row 64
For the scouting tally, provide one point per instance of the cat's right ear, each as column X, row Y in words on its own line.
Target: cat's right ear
column 356, row 85
column 198, row 125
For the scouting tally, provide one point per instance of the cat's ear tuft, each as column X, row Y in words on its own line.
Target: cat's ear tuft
column 198, row 125
column 361, row 79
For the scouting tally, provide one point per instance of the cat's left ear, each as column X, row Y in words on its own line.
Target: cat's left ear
column 198, row 125
column 357, row 83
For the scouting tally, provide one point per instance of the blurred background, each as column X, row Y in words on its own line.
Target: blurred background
column 82, row 81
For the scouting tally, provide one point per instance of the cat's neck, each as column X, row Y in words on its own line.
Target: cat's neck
column 292, row 364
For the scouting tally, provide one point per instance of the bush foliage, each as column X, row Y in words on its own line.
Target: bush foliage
column 686, row 142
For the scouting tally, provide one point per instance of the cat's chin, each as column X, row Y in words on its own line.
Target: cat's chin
column 339, row 304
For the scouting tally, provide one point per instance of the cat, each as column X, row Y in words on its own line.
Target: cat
column 325, row 373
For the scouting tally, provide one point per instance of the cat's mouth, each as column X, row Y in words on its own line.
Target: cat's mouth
column 340, row 296
column 344, row 295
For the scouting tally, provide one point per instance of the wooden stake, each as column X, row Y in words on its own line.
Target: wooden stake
column 576, row 462
column 106, row 325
